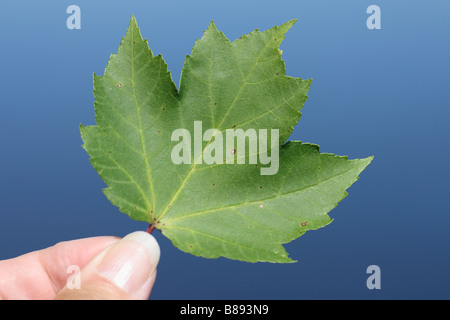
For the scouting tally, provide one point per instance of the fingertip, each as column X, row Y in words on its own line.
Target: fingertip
column 149, row 242
column 126, row 269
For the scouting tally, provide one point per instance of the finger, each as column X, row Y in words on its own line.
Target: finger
column 42, row 274
column 125, row 270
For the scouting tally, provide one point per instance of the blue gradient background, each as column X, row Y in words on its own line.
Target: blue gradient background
column 382, row 92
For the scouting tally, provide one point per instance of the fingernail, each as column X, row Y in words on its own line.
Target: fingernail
column 130, row 262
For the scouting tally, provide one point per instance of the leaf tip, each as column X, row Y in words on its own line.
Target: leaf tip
column 133, row 19
column 212, row 27
column 133, row 23
column 82, row 129
column 288, row 260
column 292, row 21
column 287, row 25
column 283, row 259
column 367, row 160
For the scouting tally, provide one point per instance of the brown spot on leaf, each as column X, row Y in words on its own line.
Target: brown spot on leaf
column 119, row 85
column 304, row 223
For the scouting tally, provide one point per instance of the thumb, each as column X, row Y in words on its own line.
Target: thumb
column 125, row 270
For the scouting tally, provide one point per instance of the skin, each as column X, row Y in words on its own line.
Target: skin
column 43, row 274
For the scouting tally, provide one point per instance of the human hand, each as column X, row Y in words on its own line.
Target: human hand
column 110, row 268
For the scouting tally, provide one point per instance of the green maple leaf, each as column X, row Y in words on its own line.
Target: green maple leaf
column 228, row 210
